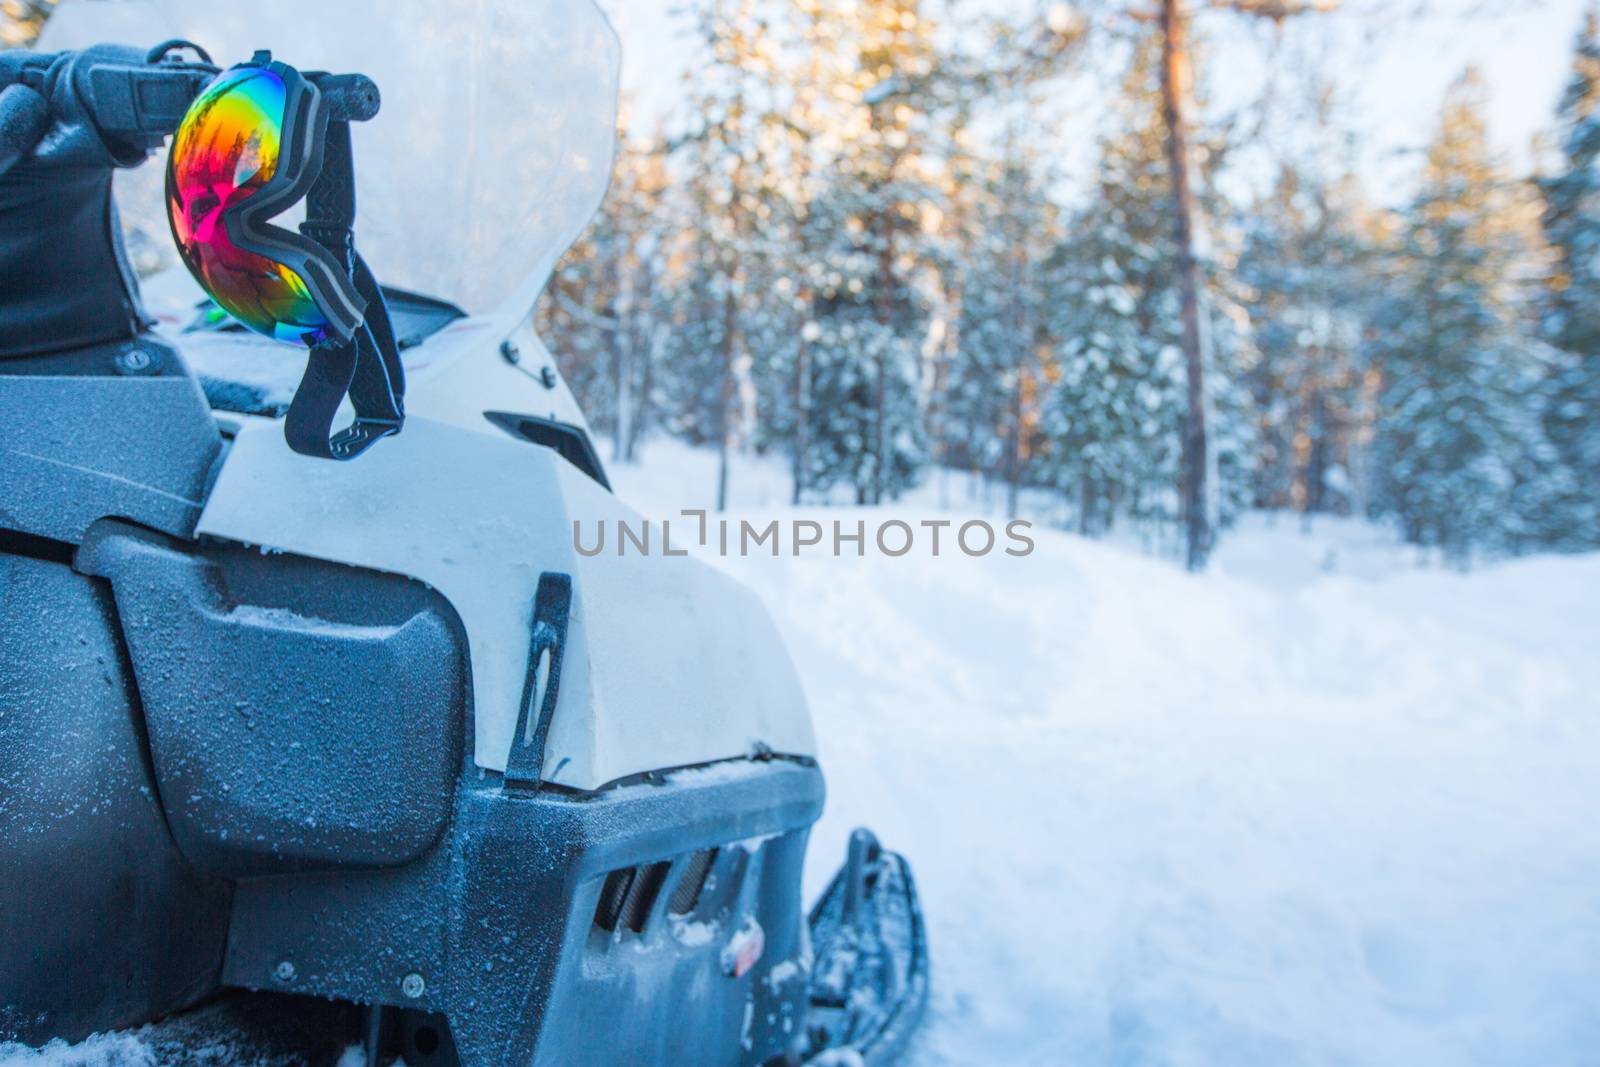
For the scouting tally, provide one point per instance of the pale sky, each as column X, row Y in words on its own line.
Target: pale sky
column 1392, row 67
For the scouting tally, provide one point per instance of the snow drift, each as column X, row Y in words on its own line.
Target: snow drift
column 1318, row 807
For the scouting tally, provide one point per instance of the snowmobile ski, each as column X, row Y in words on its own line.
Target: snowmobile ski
column 869, row 978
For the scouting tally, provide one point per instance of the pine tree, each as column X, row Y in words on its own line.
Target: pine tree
column 1306, row 270
column 873, row 297
column 1571, row 220
column 1004, row 356
column 809, row 133
column 980, row 413
column 1457, row 439
column 732, row 162
column 1115, row 416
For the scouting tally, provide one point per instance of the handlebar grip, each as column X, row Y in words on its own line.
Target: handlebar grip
column 24, row 117
column 348, row 97
column 145, row 100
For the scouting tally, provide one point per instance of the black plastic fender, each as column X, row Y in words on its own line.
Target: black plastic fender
column 102, row 922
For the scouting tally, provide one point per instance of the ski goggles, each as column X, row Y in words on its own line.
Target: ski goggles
column 248, row 149
column 257, row 140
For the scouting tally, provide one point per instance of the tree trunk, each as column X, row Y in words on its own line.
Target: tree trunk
column 623, row 430
column 622, row 315
column 1025, row 354
column 1014, row 450
column 1019, row 373
column 730, row 326
column 642, row 334
column 885, row 315
column 939, row 404
column 659, row 334
column 802, row 400
column 1318, row 454
column 1174, row 88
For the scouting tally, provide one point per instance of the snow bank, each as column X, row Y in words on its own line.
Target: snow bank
column 99, row 1050
column 1318, row 807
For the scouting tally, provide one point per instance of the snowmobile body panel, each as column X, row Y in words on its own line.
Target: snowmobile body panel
column 488, row 363
column 506, row 930
column 116, row 429
column 102, row 922
column 281, row 761
column 669, row 662
column 300, row 715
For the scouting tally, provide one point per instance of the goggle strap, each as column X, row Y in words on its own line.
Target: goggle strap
column 331, row 200
column 366, row 367
column 354, row 368
column 385, row 345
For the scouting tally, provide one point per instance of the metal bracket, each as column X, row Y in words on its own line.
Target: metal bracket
column 552, row 606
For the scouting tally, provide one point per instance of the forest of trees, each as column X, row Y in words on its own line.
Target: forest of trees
column 852, row 246
column 855, row 250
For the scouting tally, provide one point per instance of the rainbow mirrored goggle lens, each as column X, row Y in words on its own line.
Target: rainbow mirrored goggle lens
column 224, row 152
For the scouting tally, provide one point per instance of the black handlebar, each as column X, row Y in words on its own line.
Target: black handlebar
column 143, row 101
column 67, row 121
column 348, row 97
column 131, row 100
column 108, row 95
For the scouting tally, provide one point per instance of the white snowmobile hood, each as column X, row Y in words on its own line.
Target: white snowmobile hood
column 668, row 662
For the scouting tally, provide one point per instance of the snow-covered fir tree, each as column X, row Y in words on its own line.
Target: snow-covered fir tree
column 881, row 210
column 1306, row 269
column 812, row 127
column 1459, row 446
column 730, row 322
column 1116, row 412
column 1114, row 415
column 845, row 260
column 1572, row 321
column 1004, row 357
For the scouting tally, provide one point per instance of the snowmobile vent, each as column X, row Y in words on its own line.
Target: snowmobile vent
column 687, row 892
column 612, row 895
column 630, row 894
column 570, row 442
column 647, row 882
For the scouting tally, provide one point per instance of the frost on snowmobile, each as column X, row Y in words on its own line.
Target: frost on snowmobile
column 295, row 753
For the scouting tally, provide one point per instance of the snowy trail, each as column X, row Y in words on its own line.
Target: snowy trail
column 1280, row 818
column 1165, row 820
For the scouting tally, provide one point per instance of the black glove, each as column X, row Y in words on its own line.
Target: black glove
column 67, row 121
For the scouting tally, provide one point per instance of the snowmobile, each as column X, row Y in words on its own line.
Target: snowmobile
column 312, row 738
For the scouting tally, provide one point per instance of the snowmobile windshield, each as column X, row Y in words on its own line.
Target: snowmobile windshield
column 492, row 149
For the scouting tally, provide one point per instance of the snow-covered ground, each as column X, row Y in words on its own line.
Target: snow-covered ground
column 1319, row 806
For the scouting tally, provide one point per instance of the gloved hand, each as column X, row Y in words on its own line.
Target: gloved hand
column 67, row 121
column 24, row 116
column 103, row 106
